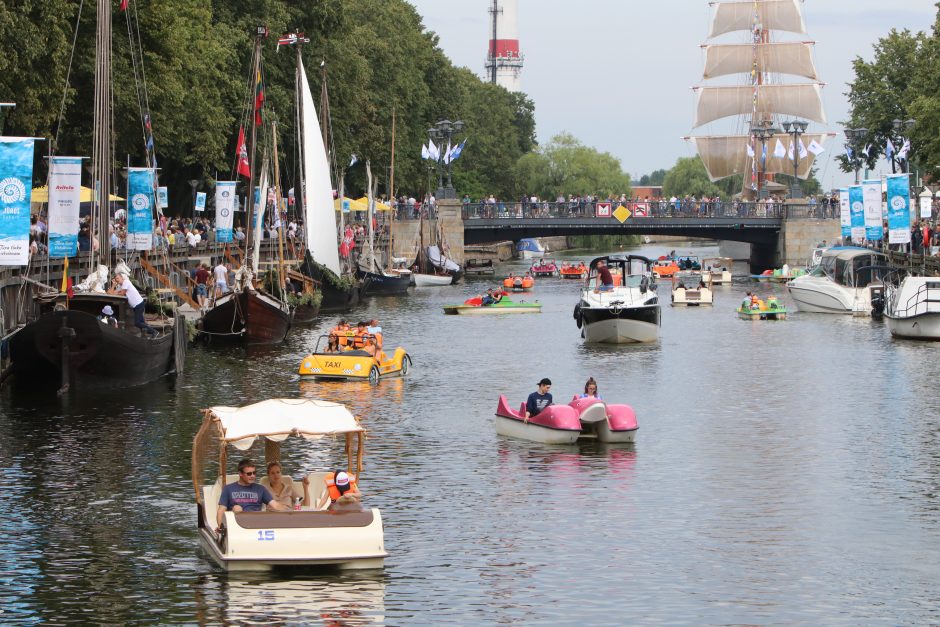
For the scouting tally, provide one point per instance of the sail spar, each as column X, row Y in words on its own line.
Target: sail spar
column 765, row 98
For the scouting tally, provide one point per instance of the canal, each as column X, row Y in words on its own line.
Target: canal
column 784, row 472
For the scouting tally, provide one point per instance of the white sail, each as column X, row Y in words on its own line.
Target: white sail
column 319, row 215
column 802, row 100
column 794, row 58
column 726, row 155
column 258, row 226
column 782, row 15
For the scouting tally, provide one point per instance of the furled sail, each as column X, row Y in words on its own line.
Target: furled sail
column 801, row 100
column 794, row 58
column 320, row 220
column 726, row 155
column 783, row 15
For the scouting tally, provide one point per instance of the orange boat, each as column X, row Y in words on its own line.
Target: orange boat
column 572, row 271
column 519, row 283
column 665, row 267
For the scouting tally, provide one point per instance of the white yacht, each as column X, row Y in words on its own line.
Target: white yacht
column 842, row 281
column 913, row 308
column 627, row 313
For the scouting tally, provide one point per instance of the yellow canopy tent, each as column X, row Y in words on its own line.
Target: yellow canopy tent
column 354, row 205
column 379, row 206
column 40, row 195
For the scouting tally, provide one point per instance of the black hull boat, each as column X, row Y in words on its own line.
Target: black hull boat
column 376, row 284
column 72, row 348
column 251, row 317
column 335, row 299
column 305, row 314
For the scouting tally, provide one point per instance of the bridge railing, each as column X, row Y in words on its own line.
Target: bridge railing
column 655, row 209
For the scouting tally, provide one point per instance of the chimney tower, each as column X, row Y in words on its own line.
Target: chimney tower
column 504, row 60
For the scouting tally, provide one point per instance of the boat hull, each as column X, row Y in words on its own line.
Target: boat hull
column 250, row 317
column 813, row 297
column 376, row 284
column 924, row 326
column 492, row 310
column 767, row 314
column 514, row 428
column 305, row 314
column 623, row 326
column 432, row 280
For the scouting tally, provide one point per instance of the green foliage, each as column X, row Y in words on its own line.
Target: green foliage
column 603, row 242
column 565, row 166
column 689, row 178
column 654, row 178
column 305, row 298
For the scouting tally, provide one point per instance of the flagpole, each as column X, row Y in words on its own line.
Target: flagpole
column 391, row 193
column 260, row 34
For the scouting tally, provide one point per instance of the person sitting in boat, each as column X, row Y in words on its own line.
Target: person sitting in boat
column 280, row 487
column 772, row 302
column 107, row 316
column 604, row 277
column 245, row 495
column 488, row 298
column 701, row 285
column 361, row 335
column 681, row 286
column 337, row 337
column 746, row 303
column 590, row 389
column 755, row 303
column 338, row 484
column 539, row 399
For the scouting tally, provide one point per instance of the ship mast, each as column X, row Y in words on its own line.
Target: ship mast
column 101, row 151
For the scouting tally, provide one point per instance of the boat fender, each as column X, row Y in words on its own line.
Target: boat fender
column 644, row 284
column 577, row 314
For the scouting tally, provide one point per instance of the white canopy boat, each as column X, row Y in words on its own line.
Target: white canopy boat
column 717, row 270
column 305, row 537
column 913, row 308
column 691, row 296
column 842, row 281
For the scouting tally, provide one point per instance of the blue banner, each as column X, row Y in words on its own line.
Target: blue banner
column 65, row 183
column 16, row 185
column 200, row 201
column 857, row 210
column 874, row 225
column 140, row 204
column 164, row 197
column 899, row 209
column 224, row 210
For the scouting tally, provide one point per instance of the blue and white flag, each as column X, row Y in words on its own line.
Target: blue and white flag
column 871, row 197
column 857, row 208
column 848, row 152
column 750, row 151
column 889, row 149
column 65, row 188
column 448, row 153
column 779, row 151
column 140, row 204
column 224, row 210
column 434, row 151
column 801, row 148
column 200, row 201
column 163, row 199
column 845, row 213
column 899, row 209
column 458, row 150
column 905, row 148
column 16, row 186
column 867, row 150
column 816, row 148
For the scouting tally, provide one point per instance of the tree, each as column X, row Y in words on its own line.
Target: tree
column 688, row 177
column 565, row 166
column 653, row 179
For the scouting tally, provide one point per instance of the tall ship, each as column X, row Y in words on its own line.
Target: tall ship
column 759, row 94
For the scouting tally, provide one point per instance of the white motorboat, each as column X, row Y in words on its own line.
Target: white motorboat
column 842, row 281
column 691, row 297
column 913, row 308
column 627, row 313
column 306, row 536
column 717, row 270
column 530, row 248
column 431, row 280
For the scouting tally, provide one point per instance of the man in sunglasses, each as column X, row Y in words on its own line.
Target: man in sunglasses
column 245, row 495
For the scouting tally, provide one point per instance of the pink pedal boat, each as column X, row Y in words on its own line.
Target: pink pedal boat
column 565, row 424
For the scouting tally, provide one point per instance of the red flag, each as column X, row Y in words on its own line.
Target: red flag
column 259, row 99
column 244, row 166
column 349, row 242
column 124, row 5
column 69, row 292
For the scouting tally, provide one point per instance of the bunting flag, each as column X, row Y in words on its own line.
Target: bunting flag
column 448, row 152
column 750, row 151
column 801, row 148
column 458, row 150
column 425, row 154
column 779, row 151
column 889, row 149
column 848, row 150
column 434, row 151
column 244, row 166
column 905, row 148
column 259, row 98
column 816, row 148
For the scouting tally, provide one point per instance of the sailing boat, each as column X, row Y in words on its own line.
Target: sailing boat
column 376, row 281
column 248, row 313
column 434, row 268
column 757, row 149
column 340, row 290
column 64, row 341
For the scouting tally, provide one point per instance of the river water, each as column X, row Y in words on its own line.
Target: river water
column 784, row 472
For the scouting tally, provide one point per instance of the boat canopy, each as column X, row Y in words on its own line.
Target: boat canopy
column 276, row 419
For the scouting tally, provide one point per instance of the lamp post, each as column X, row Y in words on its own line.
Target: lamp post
column 762, row 131
column 194, row 183
column 900, row 128
column 854, row 137
column 444, row 132
column 795, row 129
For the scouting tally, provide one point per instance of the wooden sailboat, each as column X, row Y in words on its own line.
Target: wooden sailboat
column 249, row 314
column 433, row 268
column 64, row 343
column 377, row 281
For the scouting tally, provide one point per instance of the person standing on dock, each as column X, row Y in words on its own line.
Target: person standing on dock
column 540, row 399
column 122, row 286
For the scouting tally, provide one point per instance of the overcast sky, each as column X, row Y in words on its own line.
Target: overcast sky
column 616, row 73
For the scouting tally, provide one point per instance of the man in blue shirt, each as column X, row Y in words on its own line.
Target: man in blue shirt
column 539, row 400
column 245, row 495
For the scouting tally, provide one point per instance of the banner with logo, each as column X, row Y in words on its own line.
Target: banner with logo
column 926, row 207
column 899, row 209
column 845, row 213
column 140, row 204
column 65, row 188
column 857, row 209
column 224, row 210
column 200, row 201
column 871, row 197
column 163, row 197
column 16, row 186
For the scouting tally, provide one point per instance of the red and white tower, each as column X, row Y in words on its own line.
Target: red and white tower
column 504, row 60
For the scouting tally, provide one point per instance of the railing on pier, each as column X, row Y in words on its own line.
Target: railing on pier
column 603, row 210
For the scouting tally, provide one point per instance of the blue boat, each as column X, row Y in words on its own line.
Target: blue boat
column 530, row 248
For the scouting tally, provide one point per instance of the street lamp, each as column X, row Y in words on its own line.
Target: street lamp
column 855, row 137
column 762, row 131
column 194, row 183
column 795, row 129
column 900, row 127
column 444, row 132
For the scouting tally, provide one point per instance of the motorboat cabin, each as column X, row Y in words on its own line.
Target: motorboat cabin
column 628, row 311
column 842, row 281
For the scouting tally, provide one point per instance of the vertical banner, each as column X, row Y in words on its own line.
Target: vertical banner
column 845, row 214
column 857, row 209
column 871, row 197
column 163, row 198
column 926, row 206
column 224, row 210
column 16, row 186
column 65, row 185
column 200, row 201
column 899, row 212
column 140, row 203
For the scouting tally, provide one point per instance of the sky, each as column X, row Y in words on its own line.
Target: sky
column 617, row 73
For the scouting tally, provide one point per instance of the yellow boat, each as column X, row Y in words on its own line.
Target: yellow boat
column 351, row 364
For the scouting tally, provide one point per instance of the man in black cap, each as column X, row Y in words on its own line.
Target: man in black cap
column 539, row 400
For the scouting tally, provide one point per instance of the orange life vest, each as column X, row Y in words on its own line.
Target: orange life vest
column 331, row 485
